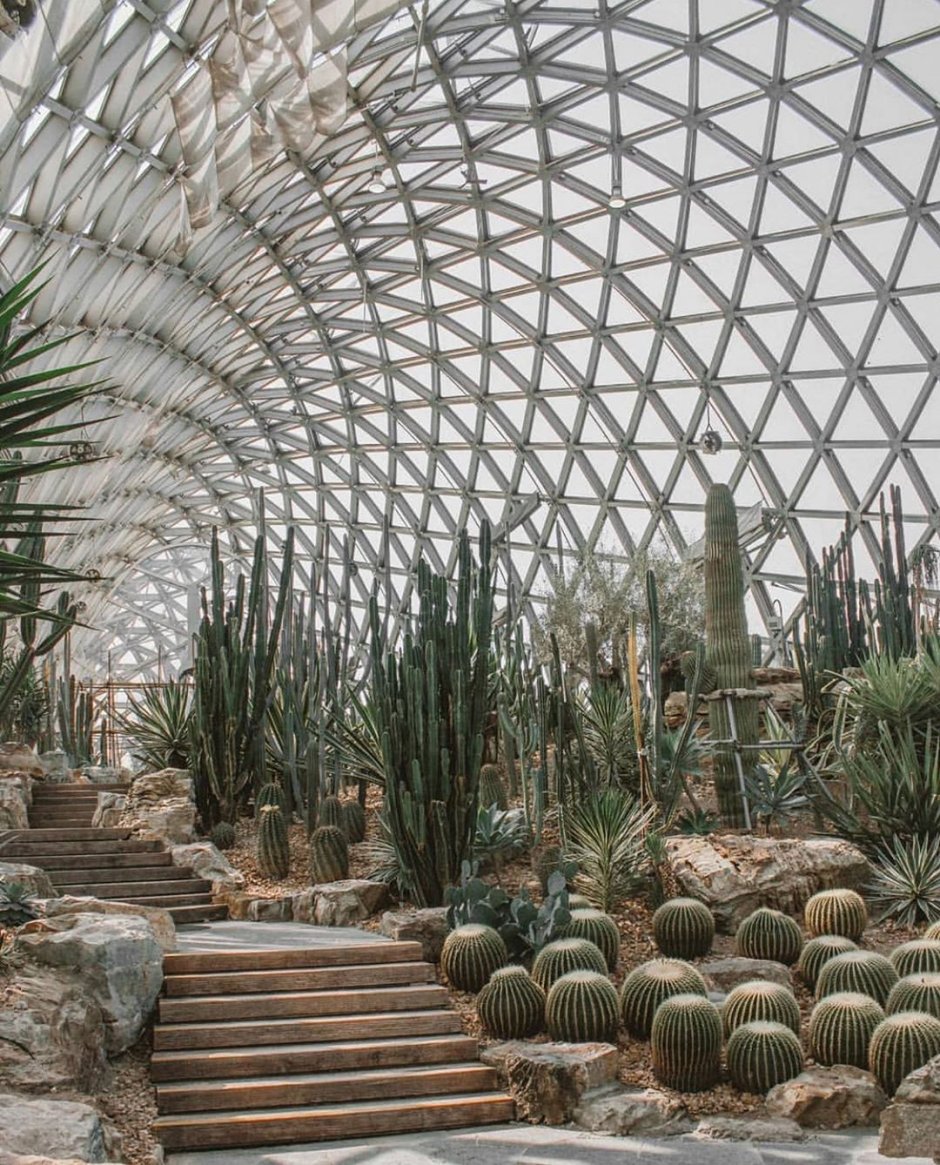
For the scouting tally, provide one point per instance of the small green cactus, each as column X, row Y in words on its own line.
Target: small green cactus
column 645, row 988
column 686, row 1043
column 273, row 845
column 492, row 789
column 900, row 1044
column 769, row 934
column 841, row 1027
column 598, row 928
column 760, row 1000
column 471, row 954
column 762, row 1054
column 271, row 794
column 511, row 1005
column 683, row 928
column 329, row 855
column 354, row 821
column 863, row 971
column 836, row 912
column 817, row 952
column 921, row 955
column 222, row 835
column 919, row 992
column 563, row 955
column 330, row 812
column 582, row 1008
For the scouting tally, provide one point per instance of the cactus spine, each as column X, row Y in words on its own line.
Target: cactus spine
column 769, row 934
column 512, row 1005
column 329, row 855
column 331, row 813
column 686, row 1043
column 565, row 955
column 900, row 1044
column 683, row 928
column 582, row 1008
column 916, row 993
column 817, row 952
column 273, row 848
column 222, row 835
column 760, row 1000
column 727, row 648
column 762, row 1054
column 933, row 931
column 492, row 789
column 920, row 956
column 840, row 912
column 648, row 985
column 598, row 928
column 354, row 821
column 841, row 1027
column 471, row 954
column 863, row 971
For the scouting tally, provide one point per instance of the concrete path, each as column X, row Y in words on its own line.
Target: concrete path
column 240, row 936
column 537, row 1145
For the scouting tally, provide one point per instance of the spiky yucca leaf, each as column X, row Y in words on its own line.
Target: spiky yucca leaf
column 605, row 836
column 906, row 880
column 159, row 725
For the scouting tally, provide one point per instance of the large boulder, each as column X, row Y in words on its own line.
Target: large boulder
column 734, row 874
column 55, row 1128
column 209, row 863
column 116, row 957
column 547, row 1081
column 638, row 1112
column 55, row 765
column 159, row 806
column 36, row 881
column 427, row 927
column 14, row 801
column 32, row 1159
column 777, row 1129
column 726, row 974
column 160, row 920
column 102, row 774
column 347, row 902
column 910, row 1125
column 19, row 758
column 109, row 812
column 829, row 1098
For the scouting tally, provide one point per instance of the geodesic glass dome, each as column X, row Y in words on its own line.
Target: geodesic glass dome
column 525, row 261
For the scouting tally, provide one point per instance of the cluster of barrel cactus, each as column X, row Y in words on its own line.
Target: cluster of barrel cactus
column 683, row 928
column 769, row 934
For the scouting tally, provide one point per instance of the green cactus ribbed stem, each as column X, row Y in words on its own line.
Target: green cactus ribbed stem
column 685, row 1043
column 762, row 1054
column 648, row 985
column 769, row 934
column 817, row 952
column 900, row 1044
column 492, row 788
column 330, row 812
column 864, row 971
column 273, row 849
column 840, row 912
column 727, row 649
column 354, row 821
column 511, row 1005
column 841, row 1027
column 582, row 1008
column 760, row 999
column 919, row 992
column 920, row 955
column 563, row 955
column 329, row 855
column 222, row 835
column 598, row 928
column 471, row 954
column 683, row 928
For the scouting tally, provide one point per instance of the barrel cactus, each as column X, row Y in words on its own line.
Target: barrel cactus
column 901, row 1043
column 863, row 971
column 354, row 821
column 331, row 812
column 564, row 955
column 582, row 1008
column 841, row 1027
column 769, row 934
column 329, row 855
column 471, row 954
column 645, row 988
column 916, row 993
column 683, row 928
column 511, row 1005
column 686, row 1043
column 933, row 931
column 222, row 835
column 762, row 1054
column 920, row 956
column 598, row 928
column 271, row 793
column 273, row 846
column 492, row 791
column 579, row 902
column 760, row 1000
column 836, row 912
column 817, row 952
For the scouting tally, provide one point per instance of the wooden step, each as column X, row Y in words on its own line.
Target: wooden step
column 306, row 1030
column 303, row 979
column 60, row 822
column 146, row 887
column 83, row 833
column 165, row 900
column 288, row 958
column 134, row 874
column 286, row 1059
column 49, row 851
column 106, row 861
column 323, row 1087
column 281, row 1005
column 192, row 914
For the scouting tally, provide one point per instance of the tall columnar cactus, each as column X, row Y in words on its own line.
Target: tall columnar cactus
column 582, row 1008
column 564, row 955
column 492, row 788
column 841, row 1027
column 727, row 650
column 817, row 952
column 683, row 928
column 645, row 988
column 354, row 821
column 762, row 1054
column 471, row 954
column 329, row 855
column 273, row 848
column 686, row 1043
column 760, row 999
column 769, row 934
column 598, row 928
column 923, row 954
column 900, row 1044
column 836, row 912
column 511, row 1005
column 919, row 992
column 331, row 812
column 865, row 971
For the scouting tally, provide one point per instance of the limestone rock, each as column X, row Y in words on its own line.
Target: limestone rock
column 19, row 1159
column 36, row 881
column 910, row 1125
column 19, row 758
column 102, row 774
column 161, row 805
column 347, row 902
column 427, row 927
column 109, row 812
column 628, row 1112
column 160, row 919
column 302, row 905
column 776, row 1129
column 269, row 910
column 547, row 1081
column 116, row 957
column 209, row 863
column 829, row 1098
column 676, row 709
column 734, row 874
column 14, row 801
column 55, row 1128
column 55, row 765
column 725, row 974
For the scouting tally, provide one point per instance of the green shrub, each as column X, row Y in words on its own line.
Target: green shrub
column 901, row 1043
column 817, row 952
column 841, row 912
column 685, row 1042
column 564, row 955
column 769, row 934
column 683, row 928
column 645, row 988
column 862, row 971
column 471, row 954
column 582, row 1008
column 760, row 1000
column 511, row 1005
column 762, row 1054
column 841, row 1027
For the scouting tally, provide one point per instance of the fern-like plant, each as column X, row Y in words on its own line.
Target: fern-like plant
column 606, row 836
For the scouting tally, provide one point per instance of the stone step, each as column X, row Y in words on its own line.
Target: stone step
column 284, row 1004
column 290, row 958
column 323, row 1088
column 106, row 861
column 302, row 979
column 192, row 914
column 47, row 852
column 83, row 833
column 145, row 888
column 137, row 874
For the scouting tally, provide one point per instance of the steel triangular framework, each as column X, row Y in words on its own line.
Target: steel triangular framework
column 550, row 246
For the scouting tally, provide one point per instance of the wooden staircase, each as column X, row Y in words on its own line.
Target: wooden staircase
column 267, row 1047
column 104, row 863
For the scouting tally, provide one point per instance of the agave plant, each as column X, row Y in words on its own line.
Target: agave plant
column 159, row 725
column 606, row 714
column 605, row 834
column 906, row 880
column 500, row 833
column 17, row 904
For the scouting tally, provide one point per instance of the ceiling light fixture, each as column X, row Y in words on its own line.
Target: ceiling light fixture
column 377, row 184
column 616, row 201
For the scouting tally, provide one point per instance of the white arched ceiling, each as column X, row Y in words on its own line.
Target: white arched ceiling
column 488, row 331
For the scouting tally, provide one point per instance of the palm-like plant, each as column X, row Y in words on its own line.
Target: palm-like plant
column 159, row 725
column 606, row 835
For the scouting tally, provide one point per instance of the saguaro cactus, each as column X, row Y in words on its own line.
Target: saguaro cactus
column 727, row 648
